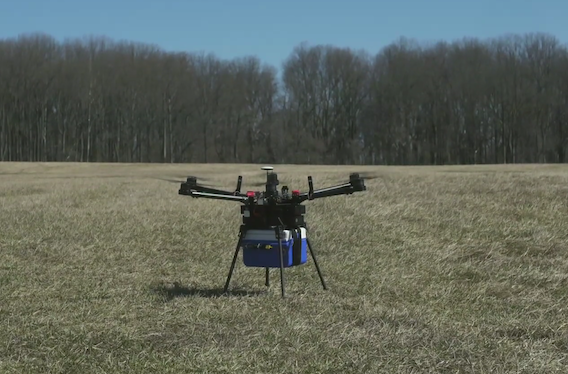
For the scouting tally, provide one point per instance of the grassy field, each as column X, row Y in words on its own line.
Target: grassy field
column 106, row 269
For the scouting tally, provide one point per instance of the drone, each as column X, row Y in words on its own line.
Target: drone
column 273, row 233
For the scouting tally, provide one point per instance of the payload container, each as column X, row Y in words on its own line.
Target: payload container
column 260, row 248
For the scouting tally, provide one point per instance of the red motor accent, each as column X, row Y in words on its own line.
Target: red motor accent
column 250, row 193
column 296, row 193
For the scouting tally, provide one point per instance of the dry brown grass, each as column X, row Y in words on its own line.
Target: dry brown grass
column 104, row 268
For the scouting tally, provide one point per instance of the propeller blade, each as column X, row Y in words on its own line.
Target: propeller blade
column 180, row 181
column 366, row 175
column 199, row 178
column 170, row 180
column 256, row 184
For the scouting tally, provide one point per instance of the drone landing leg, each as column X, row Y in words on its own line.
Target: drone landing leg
column 267, row 277
column 233, row 263
column 281, row 264
column 316, row 263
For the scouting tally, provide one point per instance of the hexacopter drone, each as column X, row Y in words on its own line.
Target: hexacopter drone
column 273, row 232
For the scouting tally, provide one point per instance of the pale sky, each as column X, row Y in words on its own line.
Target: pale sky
column 271, row 29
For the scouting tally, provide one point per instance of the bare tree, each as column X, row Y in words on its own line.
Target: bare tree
column 502, row 100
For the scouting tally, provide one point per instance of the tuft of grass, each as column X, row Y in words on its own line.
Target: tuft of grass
column 105, row 268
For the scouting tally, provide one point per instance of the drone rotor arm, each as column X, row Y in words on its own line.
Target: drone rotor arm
column 186, row 187
column 344, row 189
column 215, row 196
column 355, row 184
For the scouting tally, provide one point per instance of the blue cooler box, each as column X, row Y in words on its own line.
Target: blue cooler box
column 260, row 248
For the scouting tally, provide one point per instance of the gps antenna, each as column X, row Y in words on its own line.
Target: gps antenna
column 267, row 169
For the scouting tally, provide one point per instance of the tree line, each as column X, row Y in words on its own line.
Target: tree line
column 503, row 100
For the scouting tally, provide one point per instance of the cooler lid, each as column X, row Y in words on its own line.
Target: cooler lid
column 266, row 235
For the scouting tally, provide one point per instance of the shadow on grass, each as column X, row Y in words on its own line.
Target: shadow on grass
column 175, row 290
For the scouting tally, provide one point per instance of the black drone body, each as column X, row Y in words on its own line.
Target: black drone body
column 273, row 230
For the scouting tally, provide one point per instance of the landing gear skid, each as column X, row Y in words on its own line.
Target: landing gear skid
column 267, row 274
